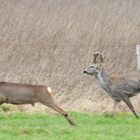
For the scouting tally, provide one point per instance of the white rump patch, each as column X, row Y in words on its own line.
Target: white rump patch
column 49, row 89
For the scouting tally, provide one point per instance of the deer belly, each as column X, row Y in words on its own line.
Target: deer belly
column 21, row 97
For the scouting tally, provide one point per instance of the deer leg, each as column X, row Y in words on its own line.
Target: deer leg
column 59, row 110
column 3, row 99
column 129, row 104
column 116, row 103
column 65, row 115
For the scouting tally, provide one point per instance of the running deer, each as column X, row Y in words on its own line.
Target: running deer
column 120, row 88
column 17, row 93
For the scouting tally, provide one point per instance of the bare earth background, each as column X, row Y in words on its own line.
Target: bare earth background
column 51, row 41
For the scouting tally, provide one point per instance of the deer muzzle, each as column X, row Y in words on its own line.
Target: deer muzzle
column 85, row 71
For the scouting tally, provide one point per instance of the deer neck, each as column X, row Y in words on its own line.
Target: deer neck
column 104, row 80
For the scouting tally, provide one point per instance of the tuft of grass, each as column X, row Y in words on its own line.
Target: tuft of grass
column 54, row 127
column 5, row 108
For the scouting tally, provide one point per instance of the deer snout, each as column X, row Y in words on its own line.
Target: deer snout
column 85, row 71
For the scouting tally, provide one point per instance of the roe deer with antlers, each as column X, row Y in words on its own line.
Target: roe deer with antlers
column 120, row 88
column 17, row 93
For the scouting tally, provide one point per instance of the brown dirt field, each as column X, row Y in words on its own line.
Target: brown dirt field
column 51, row 42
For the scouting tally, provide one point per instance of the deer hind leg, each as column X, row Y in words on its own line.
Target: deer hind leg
column 116, row 103
column 129, row 104
column 59, row 110
column 3, row 99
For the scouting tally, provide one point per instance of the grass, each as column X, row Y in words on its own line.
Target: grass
column 15, row 126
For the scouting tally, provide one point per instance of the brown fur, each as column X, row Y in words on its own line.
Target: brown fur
column 17, row 93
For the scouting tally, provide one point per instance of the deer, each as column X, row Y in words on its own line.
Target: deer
column 120, row 88
column 21, row 93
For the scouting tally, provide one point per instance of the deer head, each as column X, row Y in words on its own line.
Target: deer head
column 95, row 68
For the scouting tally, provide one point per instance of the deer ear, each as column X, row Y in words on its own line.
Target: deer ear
column 95, row 55
column 98, row 58
column 102, row 58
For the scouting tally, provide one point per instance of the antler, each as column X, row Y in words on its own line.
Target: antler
column 98, row 58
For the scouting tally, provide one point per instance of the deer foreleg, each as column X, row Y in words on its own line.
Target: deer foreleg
column 116, row 103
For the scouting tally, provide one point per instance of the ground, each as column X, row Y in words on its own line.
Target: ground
column 25, row 126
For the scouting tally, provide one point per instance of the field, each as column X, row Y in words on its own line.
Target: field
column 15, row 126
column 51, row 42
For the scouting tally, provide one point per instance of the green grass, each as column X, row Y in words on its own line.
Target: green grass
column 23, row 126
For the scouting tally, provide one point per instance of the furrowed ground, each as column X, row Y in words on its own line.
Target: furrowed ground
column 15, row 126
